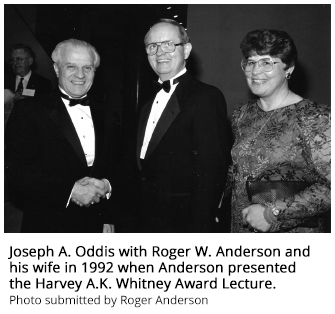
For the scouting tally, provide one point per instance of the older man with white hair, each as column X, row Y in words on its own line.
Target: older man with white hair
column 58, row 149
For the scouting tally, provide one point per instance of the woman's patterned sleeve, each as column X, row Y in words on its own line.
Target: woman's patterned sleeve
column 314, row 124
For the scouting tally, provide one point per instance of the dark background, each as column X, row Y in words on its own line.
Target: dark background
column 216, row 31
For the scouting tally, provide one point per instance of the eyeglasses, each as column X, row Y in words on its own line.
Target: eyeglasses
column 167, row 46
column 17, row 60
column 266, row 64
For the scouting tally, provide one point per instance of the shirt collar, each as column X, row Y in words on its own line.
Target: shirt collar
column 64, row 92
column 27, row 77
column 178, row 74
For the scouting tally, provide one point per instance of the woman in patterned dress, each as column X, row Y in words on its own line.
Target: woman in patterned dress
column 278, row 137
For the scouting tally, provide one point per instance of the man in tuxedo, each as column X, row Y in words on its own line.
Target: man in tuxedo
column 22, row 59
column 59, row 161
column 181, row 140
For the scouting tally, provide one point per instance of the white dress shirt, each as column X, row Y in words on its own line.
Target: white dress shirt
column 157, row 109
column 24, row 82
column 82, row 120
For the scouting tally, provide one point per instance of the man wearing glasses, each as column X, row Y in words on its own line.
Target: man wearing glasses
column 24, row 82
column 181, row 140
column 21, row 59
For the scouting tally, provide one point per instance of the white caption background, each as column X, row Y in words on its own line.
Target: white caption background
column 307, row 290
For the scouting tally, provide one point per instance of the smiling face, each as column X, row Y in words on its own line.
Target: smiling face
column 76, row 70
column 267, row 84
column 167, row 65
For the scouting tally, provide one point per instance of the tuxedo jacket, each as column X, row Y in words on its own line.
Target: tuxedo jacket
column 44, row 159
column 184, row 171
column 40, row 84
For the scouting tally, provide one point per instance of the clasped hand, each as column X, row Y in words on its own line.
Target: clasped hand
column 254, row 217
column 87, row 191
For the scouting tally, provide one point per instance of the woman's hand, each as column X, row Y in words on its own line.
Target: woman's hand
column 254, row 217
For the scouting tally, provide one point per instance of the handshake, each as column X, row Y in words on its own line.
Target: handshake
column 88, row 191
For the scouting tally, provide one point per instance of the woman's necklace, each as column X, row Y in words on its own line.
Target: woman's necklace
column 252, row 142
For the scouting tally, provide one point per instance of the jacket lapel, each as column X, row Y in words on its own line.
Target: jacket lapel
column 98, row 119
column 169, row 114
column 13, row 83
column 142, row 124
column 59, row 115
column 31, row 82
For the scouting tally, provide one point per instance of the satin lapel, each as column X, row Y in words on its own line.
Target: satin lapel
column 98, row 119
column 169, row 114
column 59, row 115
column 181, row 90
column 142, row 124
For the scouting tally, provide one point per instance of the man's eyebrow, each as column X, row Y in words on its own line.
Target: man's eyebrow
column 85, row 65
column 159, row 42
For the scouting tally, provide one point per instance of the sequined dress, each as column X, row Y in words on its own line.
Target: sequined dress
column 291, row 143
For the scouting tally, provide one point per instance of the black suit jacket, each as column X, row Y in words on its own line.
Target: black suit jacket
column 184, row 171
column 44, row 158
column 40, row 84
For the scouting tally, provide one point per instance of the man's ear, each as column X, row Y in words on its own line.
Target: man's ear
column 56, row 69
column 30, row 60
column 187, row 50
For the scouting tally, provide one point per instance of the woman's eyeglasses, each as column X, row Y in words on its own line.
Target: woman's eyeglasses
column 266, row 65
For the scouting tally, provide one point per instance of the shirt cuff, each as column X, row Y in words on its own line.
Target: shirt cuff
column 68, row 201
column 109, row 193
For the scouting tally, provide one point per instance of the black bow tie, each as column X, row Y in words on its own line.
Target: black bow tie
column 73, row 101
column 165, row 85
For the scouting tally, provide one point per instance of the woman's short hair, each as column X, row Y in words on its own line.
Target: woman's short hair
column 57, row 53
column 182, row 32
column 270, row 42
